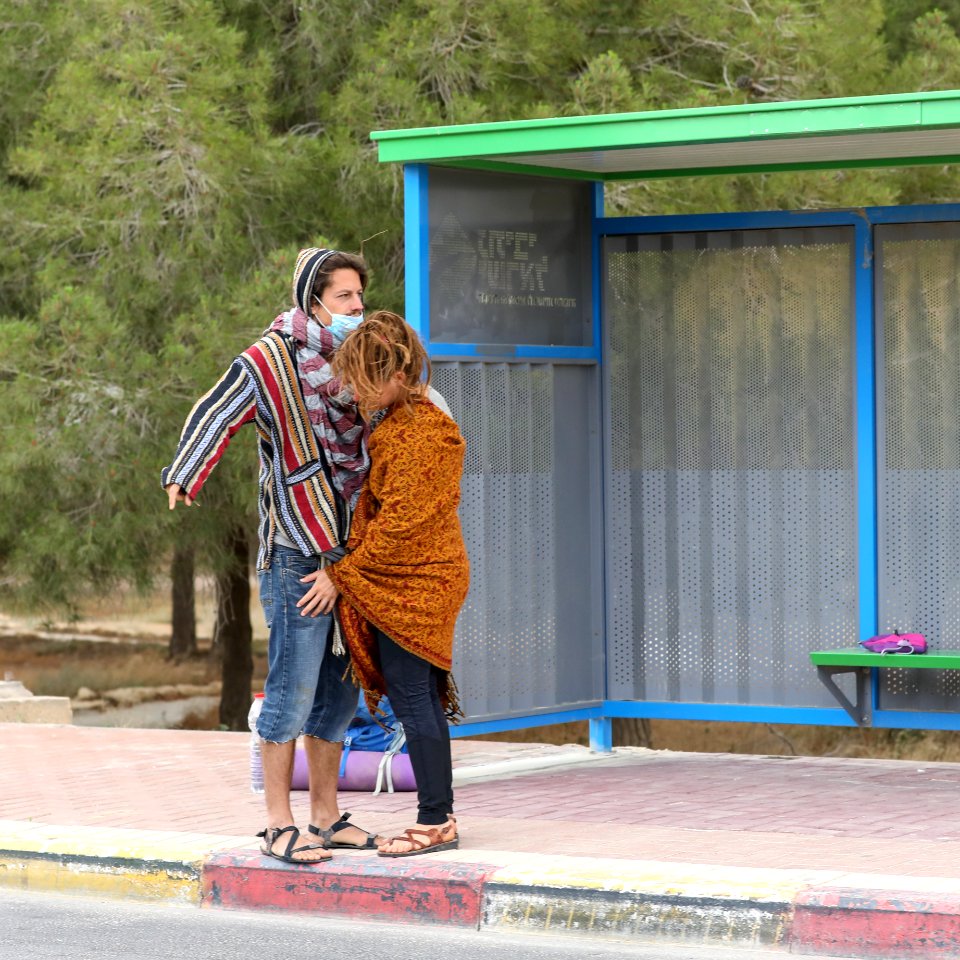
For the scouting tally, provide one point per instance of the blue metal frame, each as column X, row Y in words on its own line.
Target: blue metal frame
column 774, row 219
column 865, row 373
column 864, row 378
column 706, row 222
column 865, row 413
column 481, row 727
column 601, row 727
column 508, row 351
column 921, row 213
column 417, row 284
column 747, row 713
column 866, row 430
column 599, row 719
column 416, row 260
column 601, row 716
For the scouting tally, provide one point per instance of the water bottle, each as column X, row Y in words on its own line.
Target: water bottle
column 256, row 755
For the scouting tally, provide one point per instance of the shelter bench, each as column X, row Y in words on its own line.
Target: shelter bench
column 864, row 664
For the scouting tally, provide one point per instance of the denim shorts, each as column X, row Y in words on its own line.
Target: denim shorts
column 305, row 691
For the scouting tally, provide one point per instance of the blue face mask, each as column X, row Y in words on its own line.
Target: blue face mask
column 341, row 324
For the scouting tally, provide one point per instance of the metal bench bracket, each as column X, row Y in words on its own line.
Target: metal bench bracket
column 862, row 712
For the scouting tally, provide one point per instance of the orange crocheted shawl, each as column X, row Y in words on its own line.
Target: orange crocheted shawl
column 407, row 572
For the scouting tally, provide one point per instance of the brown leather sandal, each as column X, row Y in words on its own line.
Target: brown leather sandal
column 434, row 844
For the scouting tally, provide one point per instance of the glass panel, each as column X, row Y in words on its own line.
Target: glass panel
column 918, row 305
column 731, row 485
column 509, row 259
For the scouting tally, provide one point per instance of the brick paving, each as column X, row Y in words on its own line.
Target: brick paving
column 874, row 817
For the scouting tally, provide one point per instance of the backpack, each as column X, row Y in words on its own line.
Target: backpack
column 896, row 642
column 382, row 735
column 367, row 732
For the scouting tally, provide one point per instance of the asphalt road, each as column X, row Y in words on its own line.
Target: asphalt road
column 44, row 926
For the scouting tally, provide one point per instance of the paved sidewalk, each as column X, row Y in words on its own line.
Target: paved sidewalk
column 828, row 856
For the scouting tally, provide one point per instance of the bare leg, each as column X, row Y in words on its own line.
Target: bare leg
column 323, row 762
column 277, row 774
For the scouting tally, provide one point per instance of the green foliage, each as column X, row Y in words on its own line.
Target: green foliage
column 144, row 163
column 931, row 59
column 34, row 37
column 147, row 187
column 902, row 15
column 604, row 86
column 161, row 162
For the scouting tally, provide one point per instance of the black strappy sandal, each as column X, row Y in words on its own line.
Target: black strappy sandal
column 369, row 844
column 272, row 834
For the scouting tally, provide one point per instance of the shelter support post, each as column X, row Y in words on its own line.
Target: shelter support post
column 601, row 735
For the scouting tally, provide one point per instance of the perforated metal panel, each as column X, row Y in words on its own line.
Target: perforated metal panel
column 529, row 635
column 731, row 488
column 918, row 309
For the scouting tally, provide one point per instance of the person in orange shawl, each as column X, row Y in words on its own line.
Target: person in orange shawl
column 405, row 576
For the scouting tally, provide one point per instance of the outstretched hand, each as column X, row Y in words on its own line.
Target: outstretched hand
column 175, row 493
column 321, row 597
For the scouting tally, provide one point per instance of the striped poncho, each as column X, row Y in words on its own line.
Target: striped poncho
column 296, row 488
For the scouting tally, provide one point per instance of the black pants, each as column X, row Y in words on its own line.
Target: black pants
column 413, row 686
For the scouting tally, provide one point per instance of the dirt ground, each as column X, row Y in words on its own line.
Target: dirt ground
column 116, row 643
column 765, row 740
column 123, row 643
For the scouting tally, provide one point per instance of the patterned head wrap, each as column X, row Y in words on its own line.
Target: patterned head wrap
column 308, row 264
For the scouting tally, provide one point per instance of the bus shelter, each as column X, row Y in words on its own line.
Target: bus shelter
column 698, row 447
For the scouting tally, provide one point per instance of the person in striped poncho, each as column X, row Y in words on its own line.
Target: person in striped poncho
column 313, row 463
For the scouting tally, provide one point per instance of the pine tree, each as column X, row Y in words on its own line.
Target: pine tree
column 148, row 186
column 161, row 161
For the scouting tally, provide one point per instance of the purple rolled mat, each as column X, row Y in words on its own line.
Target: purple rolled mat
column 361, row 772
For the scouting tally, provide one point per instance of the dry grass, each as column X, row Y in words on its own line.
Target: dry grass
column 201, row 720
column 60, row 669
column 140, row 625
column 127, row 613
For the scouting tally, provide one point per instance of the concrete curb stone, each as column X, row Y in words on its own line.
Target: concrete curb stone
column 138, row 864
column 807, row 912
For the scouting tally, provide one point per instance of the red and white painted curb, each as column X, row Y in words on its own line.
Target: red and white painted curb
column 652, row 901
column 373, row 888
column 851, row 922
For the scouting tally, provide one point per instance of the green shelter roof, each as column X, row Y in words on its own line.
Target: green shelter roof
column 890, row 130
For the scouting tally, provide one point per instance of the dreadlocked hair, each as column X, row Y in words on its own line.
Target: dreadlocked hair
column 370, row 357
